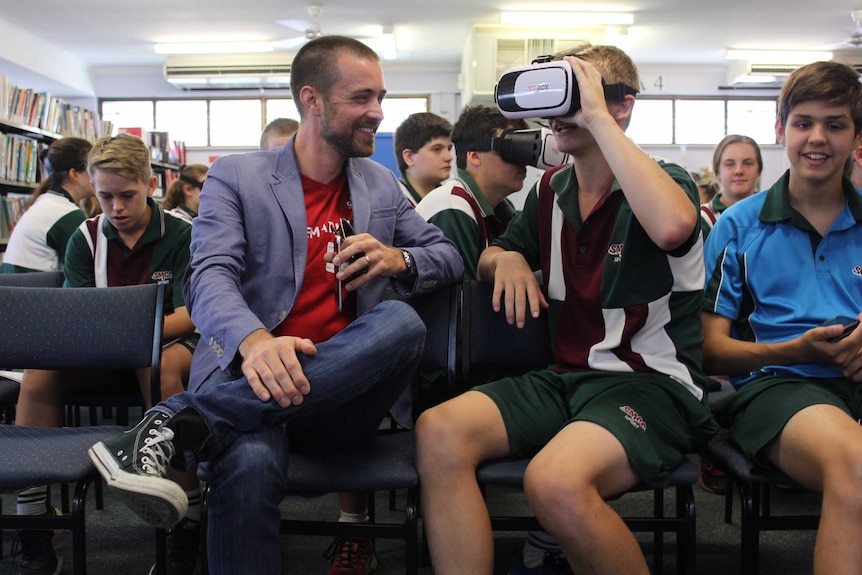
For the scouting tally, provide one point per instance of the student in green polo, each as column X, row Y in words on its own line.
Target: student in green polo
column 132, row 242
column 473, row 209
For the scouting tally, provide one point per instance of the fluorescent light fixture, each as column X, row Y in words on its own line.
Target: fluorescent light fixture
column 383, row 42
column 798, row 57
column 212, row 47
column 565, row 19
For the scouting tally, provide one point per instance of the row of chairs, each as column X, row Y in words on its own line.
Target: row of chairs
column 39, row 326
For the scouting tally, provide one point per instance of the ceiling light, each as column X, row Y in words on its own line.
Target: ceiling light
column 383, row 43
column 797, row 57
column 564, row 19
column 212, row 47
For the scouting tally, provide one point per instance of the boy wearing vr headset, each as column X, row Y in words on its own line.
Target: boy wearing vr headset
column 472, row 209
column 616, row 236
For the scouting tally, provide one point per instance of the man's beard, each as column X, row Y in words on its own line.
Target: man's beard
column 343, row 141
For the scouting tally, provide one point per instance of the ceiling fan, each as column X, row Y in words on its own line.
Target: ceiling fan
column 855, row 39
column 310, row 29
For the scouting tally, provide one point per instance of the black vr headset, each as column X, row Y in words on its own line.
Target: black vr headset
column 536, row 147
column 545, row 89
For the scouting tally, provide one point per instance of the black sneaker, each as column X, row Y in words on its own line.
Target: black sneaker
column 36, row 554
column 134, row 464
column 182, row 548
column 711, row 478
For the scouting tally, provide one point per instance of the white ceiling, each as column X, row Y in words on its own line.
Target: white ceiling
column 111, row 33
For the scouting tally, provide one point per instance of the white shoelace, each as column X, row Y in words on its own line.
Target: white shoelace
column 157, row 451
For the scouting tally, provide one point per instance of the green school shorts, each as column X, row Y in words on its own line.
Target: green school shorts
column 758, row 411
column 655, row 419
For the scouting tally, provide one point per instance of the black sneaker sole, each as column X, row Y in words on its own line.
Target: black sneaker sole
column 158, row 501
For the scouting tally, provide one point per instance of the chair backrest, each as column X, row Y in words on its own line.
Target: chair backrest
column 488, row 342
column 34, row 279
column 82, row 328
column 439, row 311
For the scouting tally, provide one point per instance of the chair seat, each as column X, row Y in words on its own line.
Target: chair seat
column 45, row 455
column 721, row 451
column 9, row 391
column 387, row 462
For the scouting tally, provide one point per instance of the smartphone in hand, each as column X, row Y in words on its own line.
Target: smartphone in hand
column 345, row 230
column 849, row 323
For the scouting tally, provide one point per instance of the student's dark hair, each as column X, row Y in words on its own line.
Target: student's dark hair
column 417, row 130
column 278, row 127
column 175, row 196
column 735, row 139
column 60, row 157
column 831, row 82
column 314, row 64
column 477, row 124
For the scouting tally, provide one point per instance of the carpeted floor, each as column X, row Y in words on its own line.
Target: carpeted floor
column 118, row 544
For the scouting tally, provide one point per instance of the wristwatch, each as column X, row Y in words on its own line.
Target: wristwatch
column 411, row 265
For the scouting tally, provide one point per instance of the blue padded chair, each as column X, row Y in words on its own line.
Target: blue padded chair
column 487, row 341
column 9, row 387
column 63, row 329
column 753, row 484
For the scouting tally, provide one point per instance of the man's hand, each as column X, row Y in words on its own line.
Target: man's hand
column 373, row 259
column 271, row 366
column 516, row 284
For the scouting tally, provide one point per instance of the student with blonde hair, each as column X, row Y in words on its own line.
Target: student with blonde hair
column 132, row 242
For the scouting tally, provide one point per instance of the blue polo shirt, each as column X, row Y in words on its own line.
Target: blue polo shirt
column 772, row 274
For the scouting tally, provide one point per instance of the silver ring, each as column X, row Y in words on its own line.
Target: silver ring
column 368, row 261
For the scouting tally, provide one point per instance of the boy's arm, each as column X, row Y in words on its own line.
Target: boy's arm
column 725, row 354
column 177, row 324
column 661, row 206
column 78, row 263
column 515, row 284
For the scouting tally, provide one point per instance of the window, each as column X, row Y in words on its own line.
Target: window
column 129, row 114
column 183, row 120
column 235, row 123
column 753, row 118
column 652, row 122
column 699, row 121
column 229, row 122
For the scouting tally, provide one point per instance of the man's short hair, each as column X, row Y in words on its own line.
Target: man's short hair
column 314, row 64
column 477, row 124
column 831, row 82
column 416, row 131
column 284, row 127
column 124, row 155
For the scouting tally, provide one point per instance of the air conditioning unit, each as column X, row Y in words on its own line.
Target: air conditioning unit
column 761, row 74
column 491, row 49
column 229, row 71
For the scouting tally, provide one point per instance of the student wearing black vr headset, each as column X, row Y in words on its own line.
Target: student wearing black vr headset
column 473, row 208
column 184, row 194
column 616, row 235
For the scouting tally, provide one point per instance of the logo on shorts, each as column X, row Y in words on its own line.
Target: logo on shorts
column 162, row 277
column 616, row 250
column 633, row 417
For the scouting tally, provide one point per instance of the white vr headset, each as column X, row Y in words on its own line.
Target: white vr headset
column 535, row 147
column 545, row 89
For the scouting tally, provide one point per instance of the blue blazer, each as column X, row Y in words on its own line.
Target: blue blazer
column 249, row 247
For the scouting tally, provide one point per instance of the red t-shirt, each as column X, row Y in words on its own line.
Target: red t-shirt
column 315, row 314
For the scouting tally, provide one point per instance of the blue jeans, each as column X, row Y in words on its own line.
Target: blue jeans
column 355, row 378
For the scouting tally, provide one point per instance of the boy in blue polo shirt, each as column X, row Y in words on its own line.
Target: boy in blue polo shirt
column 779, row 264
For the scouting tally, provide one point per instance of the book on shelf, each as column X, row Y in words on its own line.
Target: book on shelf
column 41, row 111
column 13, row 205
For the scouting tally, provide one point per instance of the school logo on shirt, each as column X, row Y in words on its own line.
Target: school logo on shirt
column 633, row 417
column 616, row 250
column 162, row 277
column 857, row 270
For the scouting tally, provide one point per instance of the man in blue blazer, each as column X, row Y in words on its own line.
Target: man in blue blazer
column 295, row 334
